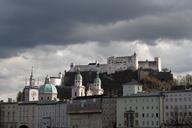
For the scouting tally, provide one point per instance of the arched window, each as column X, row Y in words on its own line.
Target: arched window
column 75, row 94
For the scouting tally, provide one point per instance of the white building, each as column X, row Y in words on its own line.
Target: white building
column 30, row 91
column 95, row 88
column 47, row 91
column 57, row 81
column 27, row 115
column 132, row 88
column 138, row 109
column 152, row 65
column 8, row 114
column 52, row 114
column 121, row 63
column 78, row 89
column 92, row 112
column 178, row 107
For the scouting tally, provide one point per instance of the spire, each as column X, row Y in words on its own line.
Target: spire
column 31, row 79
column 97, row 75
column 46, row 80
column 97, row 81
column 78, row 70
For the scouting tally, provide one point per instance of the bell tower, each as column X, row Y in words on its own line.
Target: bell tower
column 78, row 89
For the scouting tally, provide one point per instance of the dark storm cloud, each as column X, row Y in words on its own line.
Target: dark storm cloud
column 28, row 23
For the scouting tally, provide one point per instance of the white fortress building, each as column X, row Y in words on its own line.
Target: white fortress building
column 119, row 64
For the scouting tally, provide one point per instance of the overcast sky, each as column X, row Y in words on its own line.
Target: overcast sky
column 50, row 34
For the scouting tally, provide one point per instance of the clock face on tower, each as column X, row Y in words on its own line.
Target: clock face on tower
column 33, row 95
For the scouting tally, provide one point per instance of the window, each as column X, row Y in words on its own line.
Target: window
column 185, row 106
column 147, row 123
column 143, row 123
column 171, row 113
column 157, row 122
column 136, row 122
column 152, row 115
column 136, row 114
column 180, row 113
column 157, row 115
column 143, row 115
column 75, row 94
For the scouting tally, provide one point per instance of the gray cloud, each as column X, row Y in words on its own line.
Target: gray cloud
column 26, row 24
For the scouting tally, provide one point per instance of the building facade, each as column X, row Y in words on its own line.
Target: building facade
column 92, row 112
column 52, row 114
column 8, row 115
column 27, row 115
column 178, row 108
column 121, row 63
column 139, row 109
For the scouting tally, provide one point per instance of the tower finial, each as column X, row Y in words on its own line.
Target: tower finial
column 47, row 79
column 32, row 71
column 97, row 74
column 31, row 80
column 78, row 70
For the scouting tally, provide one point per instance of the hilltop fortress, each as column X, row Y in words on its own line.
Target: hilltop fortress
column 122, row 63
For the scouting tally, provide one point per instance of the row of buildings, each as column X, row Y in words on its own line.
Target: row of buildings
column 89, row 108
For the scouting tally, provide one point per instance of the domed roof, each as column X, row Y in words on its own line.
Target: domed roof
column 48, row 88
column 78, row 76
column 97, row 80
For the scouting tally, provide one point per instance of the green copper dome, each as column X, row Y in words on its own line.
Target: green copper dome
column 78, row 76
column 48, row 88
column 97, row 80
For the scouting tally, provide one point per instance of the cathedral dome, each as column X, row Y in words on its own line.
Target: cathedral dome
column 97, row 80
column 48, row 88
column 78, row 76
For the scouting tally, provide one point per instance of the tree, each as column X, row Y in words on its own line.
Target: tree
column 19, row 96
column 151, row 83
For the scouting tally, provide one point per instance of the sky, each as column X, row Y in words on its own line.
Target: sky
column 50, row 34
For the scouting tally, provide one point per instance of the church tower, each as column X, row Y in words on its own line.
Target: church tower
column 30, row 91
column 95, row 88
column 78, row 89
